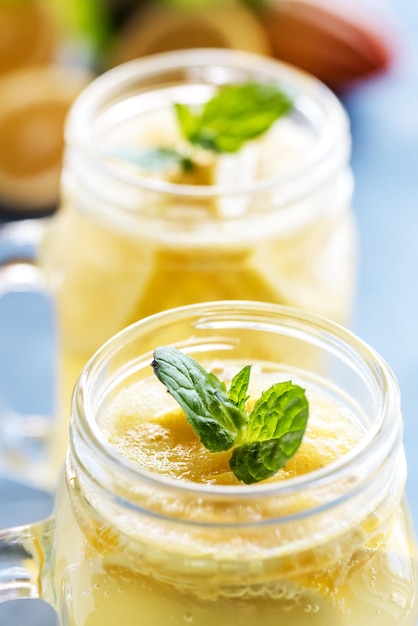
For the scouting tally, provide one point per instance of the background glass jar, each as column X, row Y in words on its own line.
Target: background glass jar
column 273, row 223
column 334, row 545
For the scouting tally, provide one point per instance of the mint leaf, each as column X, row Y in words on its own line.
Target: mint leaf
column 154, row 159
column 257, row 460
column 189, row 122
column 281, row 409
column 236, row 114
column 275, row 429
column 263, row 441
column 239, row 386
column 213, row 416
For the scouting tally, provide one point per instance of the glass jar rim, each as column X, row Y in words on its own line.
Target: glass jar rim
column 327, row 154
column 378, row 442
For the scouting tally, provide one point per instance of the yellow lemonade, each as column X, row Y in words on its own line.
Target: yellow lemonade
column 235, row 554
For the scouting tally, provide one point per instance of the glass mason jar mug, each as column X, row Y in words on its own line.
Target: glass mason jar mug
column 272, row 222
column 144, row 528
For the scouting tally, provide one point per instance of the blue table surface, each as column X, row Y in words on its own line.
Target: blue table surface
column 384, row 119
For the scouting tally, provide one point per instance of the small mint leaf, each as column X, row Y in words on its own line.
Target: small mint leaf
column 189, row 122
column 257, row 460
column 274, row 432
column 235, row 115
column 239, row 387
column 280, row 409
column 154, row 159
column 212, row 415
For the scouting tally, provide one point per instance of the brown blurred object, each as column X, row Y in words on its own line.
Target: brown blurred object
column 34, row 103
column 158, row 28
column 337, row 41
column 27, row 34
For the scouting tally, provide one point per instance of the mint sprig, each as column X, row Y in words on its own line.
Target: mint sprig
column 235, row 115
column 262, row 441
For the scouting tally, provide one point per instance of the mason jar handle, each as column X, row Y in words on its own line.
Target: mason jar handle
column 24, row 436
column 25, row 569
column 21, row 237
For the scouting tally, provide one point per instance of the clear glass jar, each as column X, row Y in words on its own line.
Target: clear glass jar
column 124, row 246
column 330, row 546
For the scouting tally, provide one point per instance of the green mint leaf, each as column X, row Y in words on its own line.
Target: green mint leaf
column 235, row 115
column 257, row 460
column 189, row 122
column 154, row 159
column 281, row 409
column 275, row 429
column 239, row 387
column 212, row 415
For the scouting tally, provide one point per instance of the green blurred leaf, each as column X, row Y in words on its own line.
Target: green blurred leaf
column 235, row 115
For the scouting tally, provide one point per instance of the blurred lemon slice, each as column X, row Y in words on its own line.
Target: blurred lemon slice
column 27, row 34
column 159, row 28
column 33, row 107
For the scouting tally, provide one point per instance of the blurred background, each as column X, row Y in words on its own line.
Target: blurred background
column 365, row 51
column 50, row 49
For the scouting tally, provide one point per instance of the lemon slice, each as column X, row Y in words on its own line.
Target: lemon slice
column 33, row 107
column 159, row 28
column 27, row 35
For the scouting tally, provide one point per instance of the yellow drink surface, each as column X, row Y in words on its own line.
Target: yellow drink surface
column 146, row 425
column 135, row 569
